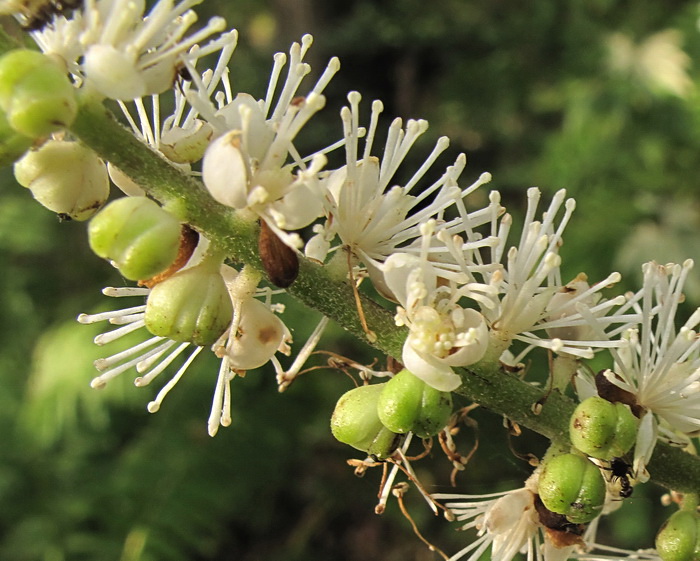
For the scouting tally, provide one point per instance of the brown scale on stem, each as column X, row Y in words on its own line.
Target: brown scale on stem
column 280, row 261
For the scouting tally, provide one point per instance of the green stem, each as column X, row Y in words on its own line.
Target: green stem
column 189, row 201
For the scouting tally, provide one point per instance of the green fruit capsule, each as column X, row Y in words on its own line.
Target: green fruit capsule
column 355, row 422
column 65, row 177
column 573, row 486
column 192, row 306
column 408, row 404
column 137, row 235
column 602, row 429
column 679, row 537
column 35, row 93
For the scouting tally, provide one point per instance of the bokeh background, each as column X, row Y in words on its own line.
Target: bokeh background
column 599, row 97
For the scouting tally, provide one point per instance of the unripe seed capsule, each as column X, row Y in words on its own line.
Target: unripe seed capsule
column 136, row 234
column 192, row 306
column 602, row 429
column 35, row 93
column 408, row 404
column 573, row 486
column 679, row 537
column 355, row 422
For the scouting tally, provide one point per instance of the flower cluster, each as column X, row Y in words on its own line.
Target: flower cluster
column 466, row 294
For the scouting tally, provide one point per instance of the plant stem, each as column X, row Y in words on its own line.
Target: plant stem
column 186, row 198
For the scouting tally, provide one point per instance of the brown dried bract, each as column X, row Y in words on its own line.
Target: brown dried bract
column 560, row 532
column 614, row 394
column 188, row 243
column 278, row 259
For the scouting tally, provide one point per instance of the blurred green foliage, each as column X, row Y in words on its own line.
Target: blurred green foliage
column 598, row 97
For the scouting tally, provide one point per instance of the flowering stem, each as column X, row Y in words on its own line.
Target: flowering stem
column 186, row 198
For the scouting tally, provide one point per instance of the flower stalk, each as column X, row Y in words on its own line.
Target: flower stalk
column 184, row 197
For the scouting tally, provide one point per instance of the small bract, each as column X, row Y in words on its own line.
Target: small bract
column 602, row 429
column 137, row 235
column 355, row 422
column 573, row 486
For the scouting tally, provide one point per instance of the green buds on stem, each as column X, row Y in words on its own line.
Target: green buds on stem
column 573, row 486
column 408, row 404
column 192, row 306
column 35, row 93
column 602, row 429
column 137, row 235
column 65, row 177
column 679, row 537
column 355, row 422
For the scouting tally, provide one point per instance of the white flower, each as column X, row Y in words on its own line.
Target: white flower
column 442, row 333
column 182, row 136
column 507, row 522
column 658, row 365
column 255, row 335
column 530, row 296
column 121, row 52
column 253, row 166
column 373, row 219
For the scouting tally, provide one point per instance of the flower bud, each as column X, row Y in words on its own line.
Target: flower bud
column 407, row 403
column 573, row 486
column 65, row 177
column 35, row 93
column 355, row 422
column 679, row 537
column 192, row 306
column 136, row 234
column 602, row 429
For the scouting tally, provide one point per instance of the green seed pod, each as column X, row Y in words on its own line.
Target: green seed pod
column 35, row 93
column 573, row 486
column 407, row 403
column 65, row 177
column 355, row 422
column 679, row 537
column 136, row 234
column 192, row 306
column 602, row 429
column 13, row 145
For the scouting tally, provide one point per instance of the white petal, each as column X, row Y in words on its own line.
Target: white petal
column 644, row 447
column 317, row 248
column 431, row 370
column 397, row 270
column 260, row 334
column 124, row 182
column 300, row 206
column 113, row 73
column 224, row 171
column 474, row 352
